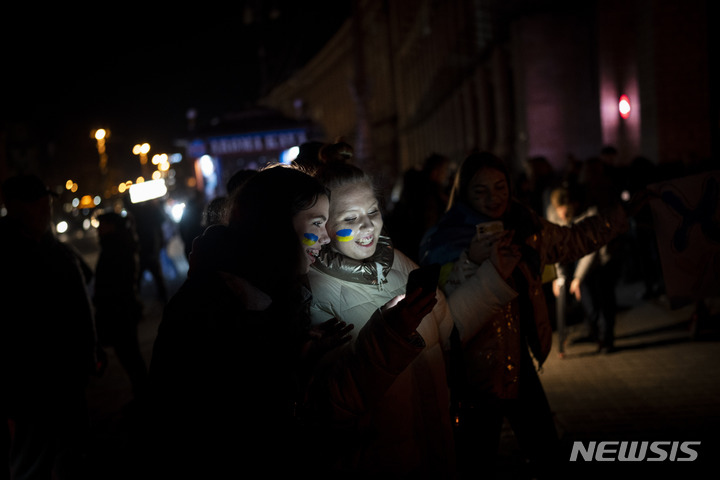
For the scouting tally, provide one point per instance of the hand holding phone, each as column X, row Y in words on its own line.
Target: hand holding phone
column 425, row 278
column 489, row 228
column 405, row 312
column 483, row 243
column 505, row 255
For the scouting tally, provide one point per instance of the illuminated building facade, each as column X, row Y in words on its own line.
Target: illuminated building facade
column 407, row 78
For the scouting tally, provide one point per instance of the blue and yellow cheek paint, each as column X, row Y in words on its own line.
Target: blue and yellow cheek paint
column 344, row 235
column 309, row 239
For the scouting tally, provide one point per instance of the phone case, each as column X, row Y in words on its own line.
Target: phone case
column 488, row 228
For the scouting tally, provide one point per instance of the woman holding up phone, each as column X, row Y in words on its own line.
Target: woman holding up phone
column 409, row 432
column 238, row 377
column 496, row 376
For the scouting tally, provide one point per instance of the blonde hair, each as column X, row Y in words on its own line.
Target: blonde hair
column 559, row 197
column 339, row 152
column 336, row 169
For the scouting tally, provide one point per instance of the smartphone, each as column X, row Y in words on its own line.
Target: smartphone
column 426, row 277
column 489, row 228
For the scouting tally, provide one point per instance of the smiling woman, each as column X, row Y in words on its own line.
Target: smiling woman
column 359, row 272
column 355, row 221
column 495, row 372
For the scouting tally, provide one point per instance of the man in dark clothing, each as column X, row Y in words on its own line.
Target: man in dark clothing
column 47, row 337
column 118, row 309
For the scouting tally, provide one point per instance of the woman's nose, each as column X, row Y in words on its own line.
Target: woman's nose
column 366, row 223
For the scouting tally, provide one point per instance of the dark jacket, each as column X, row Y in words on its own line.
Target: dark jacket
column 47, row 335
column 230, row 387
column 223, row 374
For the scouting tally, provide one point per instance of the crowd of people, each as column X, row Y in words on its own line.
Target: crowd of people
column 294, row 346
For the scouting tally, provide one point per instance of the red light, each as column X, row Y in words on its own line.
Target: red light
column 624, row 106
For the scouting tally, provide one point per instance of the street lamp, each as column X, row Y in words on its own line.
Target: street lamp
column 142, row 150
column 100, row 136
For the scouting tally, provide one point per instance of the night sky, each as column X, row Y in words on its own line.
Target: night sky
column 137, row 73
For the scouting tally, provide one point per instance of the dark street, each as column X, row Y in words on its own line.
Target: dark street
column 658, row 386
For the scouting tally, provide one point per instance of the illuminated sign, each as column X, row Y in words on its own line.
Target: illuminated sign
column 256, row 142
column 142, row 192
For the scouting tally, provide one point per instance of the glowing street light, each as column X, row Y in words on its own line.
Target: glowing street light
column 159, row 158
column 624, row 106
column 100, row 136
column 142, row 151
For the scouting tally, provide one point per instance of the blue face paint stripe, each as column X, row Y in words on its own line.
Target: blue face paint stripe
column 344, row 235
column 310, row 239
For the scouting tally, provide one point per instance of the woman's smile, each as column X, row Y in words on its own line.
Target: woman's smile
column 312, row 254
column 367, row 241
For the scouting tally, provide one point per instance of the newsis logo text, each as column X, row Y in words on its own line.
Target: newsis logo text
column 634, row 451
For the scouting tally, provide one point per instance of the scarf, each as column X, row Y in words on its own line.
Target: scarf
column 444, row 242
column 370, row 271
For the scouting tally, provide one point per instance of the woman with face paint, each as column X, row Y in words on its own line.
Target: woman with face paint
column 227, row 361
column 238, row 373
column 495, row 376
column 409, row 431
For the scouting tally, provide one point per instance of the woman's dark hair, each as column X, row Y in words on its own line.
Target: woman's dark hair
column 260, row 222
column 470, row 166
column 516, row 217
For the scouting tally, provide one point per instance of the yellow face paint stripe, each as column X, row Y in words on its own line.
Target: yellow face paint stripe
column 310, row 239
column 344, row 235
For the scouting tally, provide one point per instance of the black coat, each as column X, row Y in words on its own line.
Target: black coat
column 223, row 378
column 47, row 335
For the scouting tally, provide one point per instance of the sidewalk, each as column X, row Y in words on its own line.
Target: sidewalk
column 658, row 386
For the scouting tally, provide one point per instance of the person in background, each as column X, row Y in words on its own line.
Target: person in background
column 534, row 184
column 591, row 280
column 215, row 212
column 422, row 200
column 149, row 219
column 409, row 432
column 118, row 309
column 48, row 344
column 498, row 366
column 190, row 225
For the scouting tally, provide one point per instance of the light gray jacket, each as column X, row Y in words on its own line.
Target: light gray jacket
column 409, row 430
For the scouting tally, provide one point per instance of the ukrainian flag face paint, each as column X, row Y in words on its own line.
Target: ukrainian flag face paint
column 309, row 239
column 309, row 226
column 355, row 220
column 344, row 235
